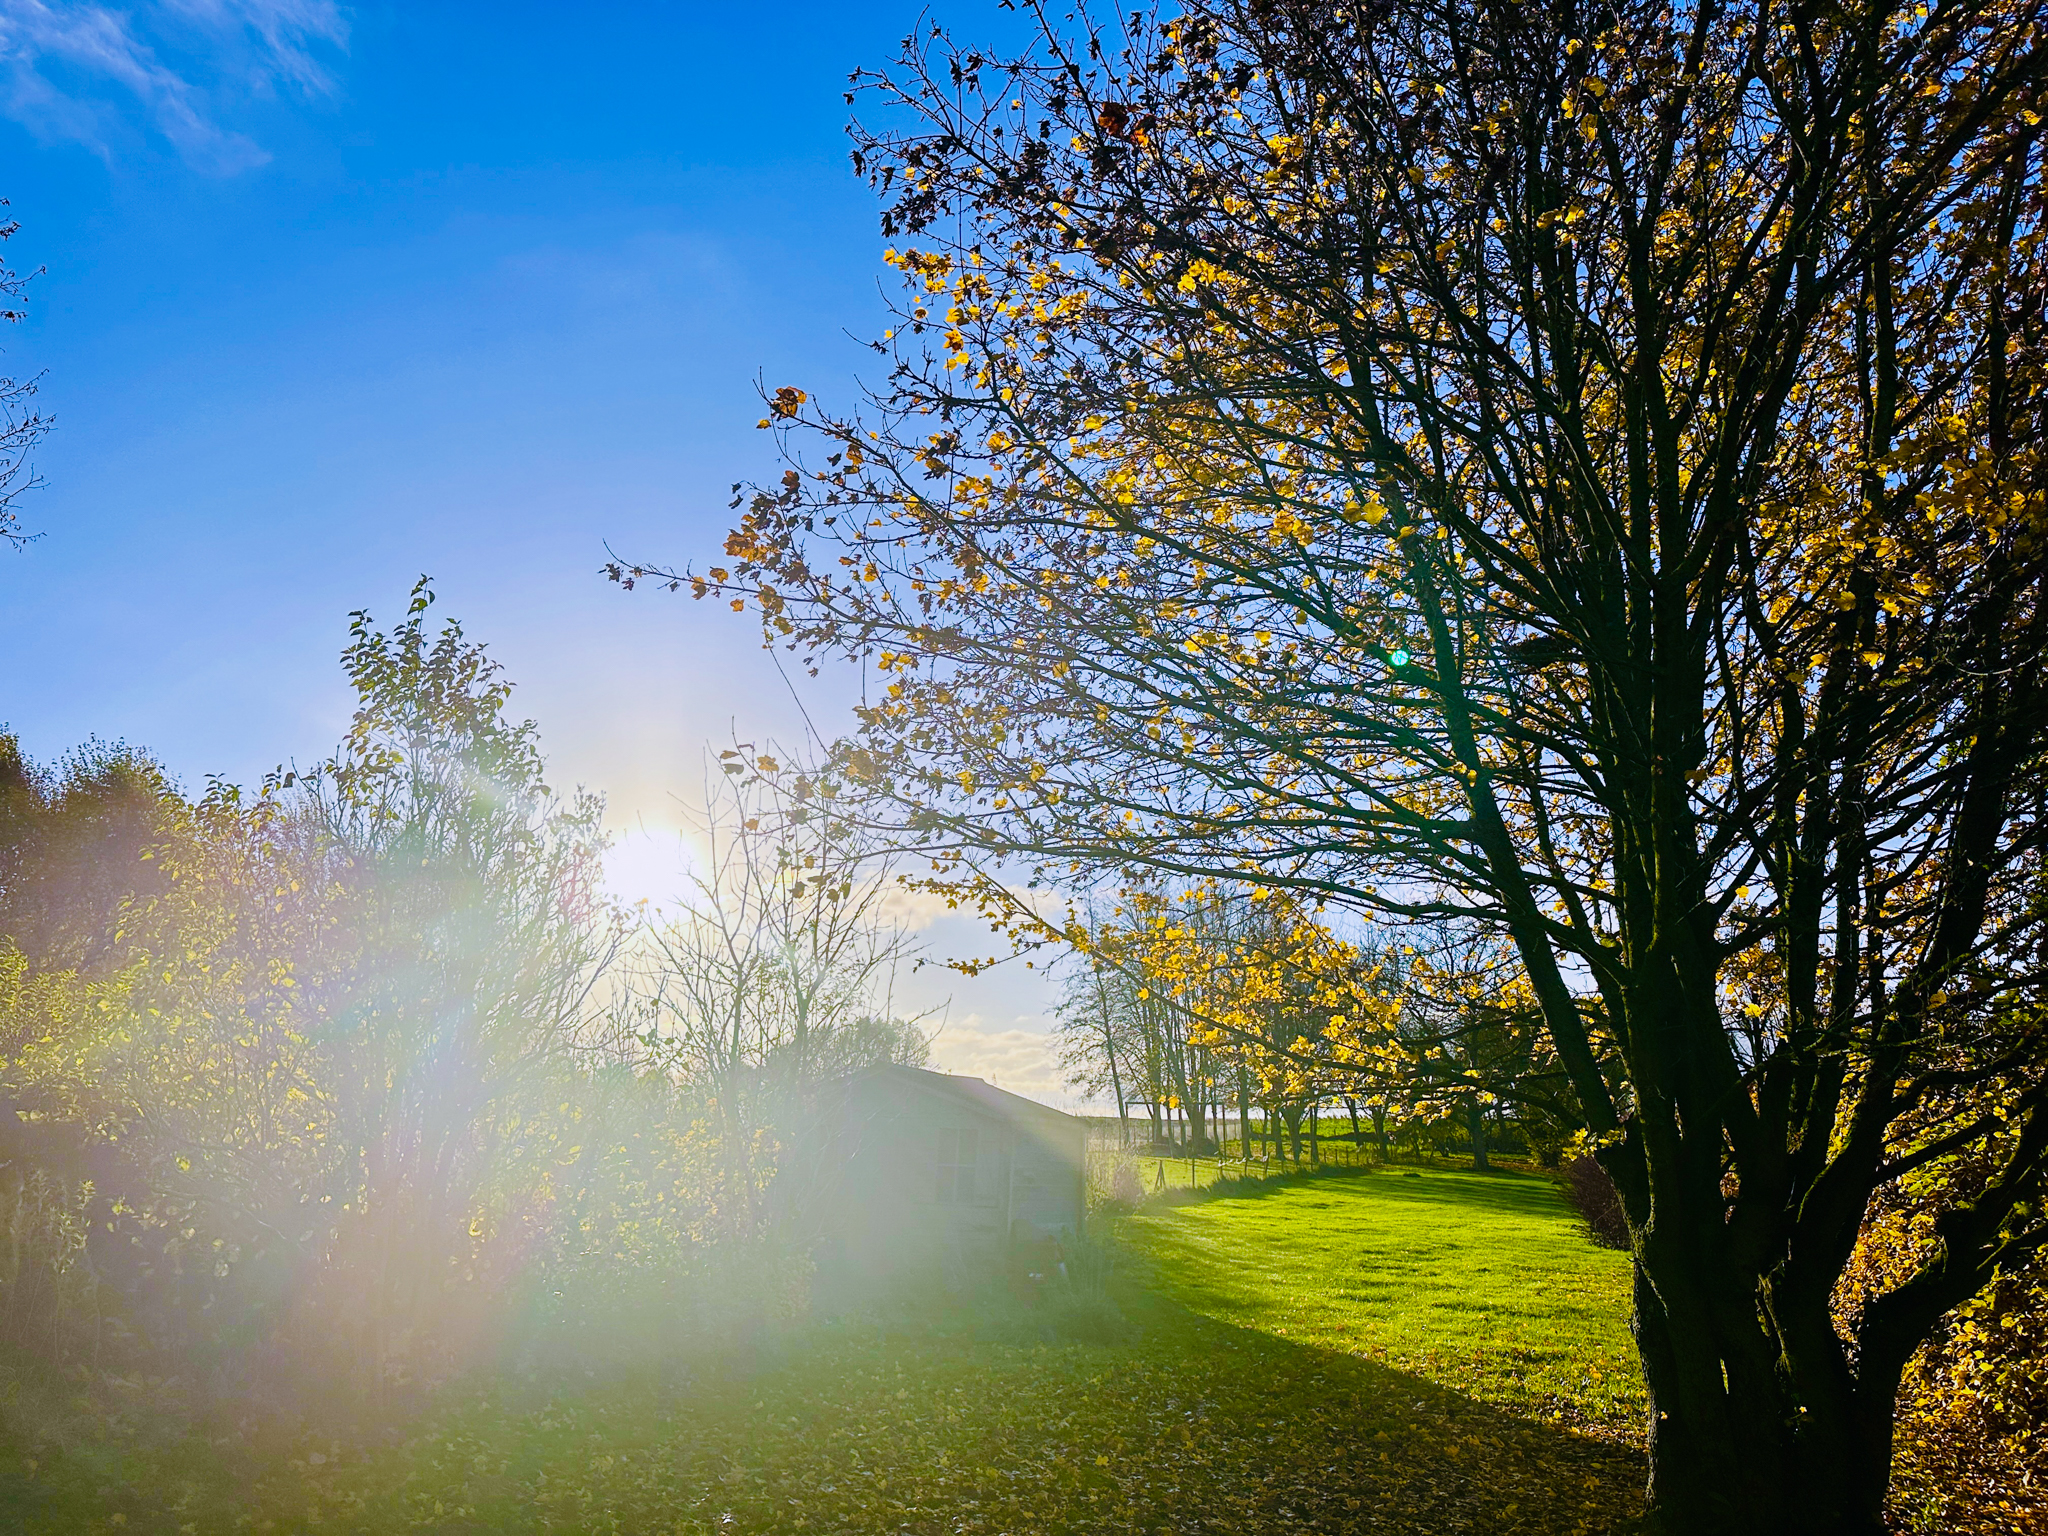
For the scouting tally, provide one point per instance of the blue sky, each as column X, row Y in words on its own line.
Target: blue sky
column 335, row 296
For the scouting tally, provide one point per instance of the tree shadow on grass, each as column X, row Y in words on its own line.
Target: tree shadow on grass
column 1206, row 1426
column 1342, row 1442
column 1196, row 1428
column 907, row 1425
column 1520, row 1194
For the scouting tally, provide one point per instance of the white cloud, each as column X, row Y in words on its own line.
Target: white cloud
column 914, row 908
column 919, row 908
column 1021, row 1058
column 72, row 72
column 288, row 31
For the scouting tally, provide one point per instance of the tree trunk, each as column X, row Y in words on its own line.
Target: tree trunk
column 1244, row 1114
column 1475, row 1120
column 1732, row 1447
column 1116, row 1085
column 1315, row 1146
column 1379, row 1129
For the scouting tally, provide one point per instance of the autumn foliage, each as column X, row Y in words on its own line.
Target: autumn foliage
column 1568, row 479
column 308, row 1094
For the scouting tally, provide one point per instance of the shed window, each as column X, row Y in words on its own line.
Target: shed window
column 957, row 1151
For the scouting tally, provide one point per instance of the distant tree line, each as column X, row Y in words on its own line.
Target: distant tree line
column 1211, row 1002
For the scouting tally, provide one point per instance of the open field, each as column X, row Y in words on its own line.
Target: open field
column 1480, row 1282
column 1351, row 1353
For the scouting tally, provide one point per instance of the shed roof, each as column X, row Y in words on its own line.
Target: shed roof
column 968, row 1090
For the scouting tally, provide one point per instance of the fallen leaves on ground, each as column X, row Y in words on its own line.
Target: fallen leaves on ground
column 861, row 1431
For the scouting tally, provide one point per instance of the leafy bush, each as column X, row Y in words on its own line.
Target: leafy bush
column 298, row 1088
column 1972, row 1449
column 1124, row 1185
column 1592, row 1192
column 1114, row 1187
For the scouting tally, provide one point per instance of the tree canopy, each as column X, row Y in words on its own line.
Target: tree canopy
column 1570, row 474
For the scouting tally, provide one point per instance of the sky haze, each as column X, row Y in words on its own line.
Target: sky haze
column 333, row 297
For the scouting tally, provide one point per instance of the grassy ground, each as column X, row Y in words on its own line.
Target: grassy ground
column 1480, row 1282
column 1370, row 1353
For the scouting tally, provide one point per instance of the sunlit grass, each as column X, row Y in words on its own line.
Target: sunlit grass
column 1480, row 1282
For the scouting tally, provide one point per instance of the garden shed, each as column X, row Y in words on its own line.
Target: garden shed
column 945, row 1179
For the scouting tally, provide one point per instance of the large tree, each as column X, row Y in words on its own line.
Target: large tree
column 1566, row 470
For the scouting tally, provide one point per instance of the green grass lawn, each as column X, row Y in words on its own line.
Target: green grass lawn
column 1479, row 1282
column 1372, row 1354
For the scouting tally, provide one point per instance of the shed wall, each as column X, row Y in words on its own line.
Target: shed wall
column 895, row 1220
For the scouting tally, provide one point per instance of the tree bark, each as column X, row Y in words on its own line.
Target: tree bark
column 1731, row 1449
